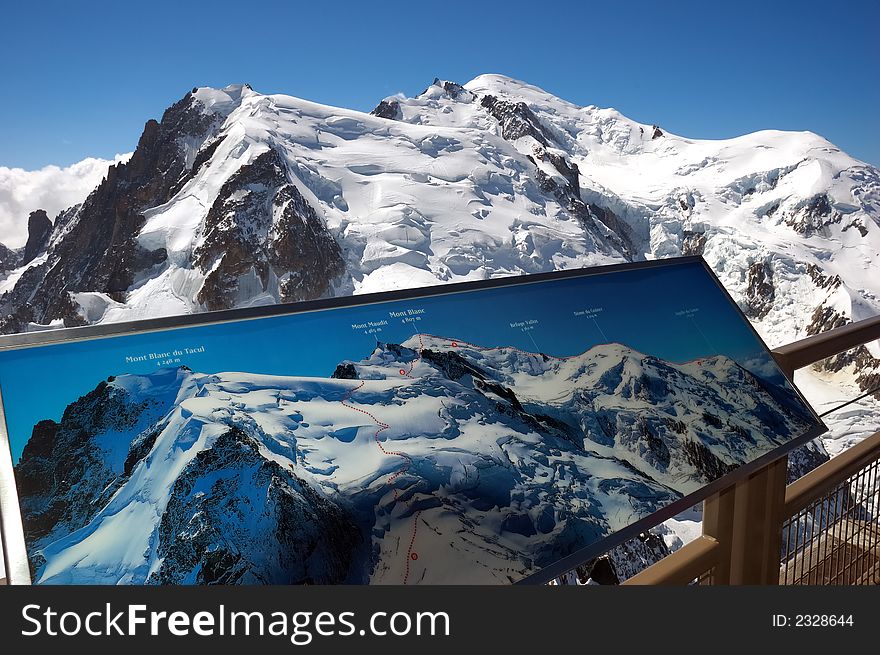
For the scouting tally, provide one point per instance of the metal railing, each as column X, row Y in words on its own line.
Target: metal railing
column 832, row 535
column 822, row 529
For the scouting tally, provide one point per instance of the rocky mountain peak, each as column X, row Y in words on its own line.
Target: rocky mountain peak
column 9, row 259
column 100, row 252
column 387, row 109
column 39, row 229
column 452, row 90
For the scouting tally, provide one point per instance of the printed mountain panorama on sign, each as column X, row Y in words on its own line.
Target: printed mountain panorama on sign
column 432, row 461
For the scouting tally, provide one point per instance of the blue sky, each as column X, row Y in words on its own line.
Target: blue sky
column 80, row 79
column 38, row 383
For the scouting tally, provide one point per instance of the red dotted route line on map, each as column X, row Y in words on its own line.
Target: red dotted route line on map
column 412, row 556
column 382, row 426
column 408, row 372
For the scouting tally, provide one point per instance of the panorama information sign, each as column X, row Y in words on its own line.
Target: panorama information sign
column 487, row 432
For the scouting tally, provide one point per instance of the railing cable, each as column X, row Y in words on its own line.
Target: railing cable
column 850, row 402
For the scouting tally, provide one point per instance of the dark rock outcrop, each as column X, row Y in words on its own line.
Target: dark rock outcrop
column 345, row 371
column 624, row 561
column 452, row 89
column 760, row 292
column 804, row 459
column 814, row 216
column 261, row 224
column 708, row 464
column 453, row 365
column 100, row 252
column 693, row 243
column 823, row 281
column 39, row 229
column 63, row 473
column 516, row 119
column 618, row 230
column 858, row 225
column 9, row 258
column 600, row 221
column 213, row 533
column 387, row 109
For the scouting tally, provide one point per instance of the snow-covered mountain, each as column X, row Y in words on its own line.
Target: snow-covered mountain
column 237, row 198
column 429, row 461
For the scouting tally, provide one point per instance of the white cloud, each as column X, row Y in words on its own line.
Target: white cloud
column 51, row 188
column 762, row 365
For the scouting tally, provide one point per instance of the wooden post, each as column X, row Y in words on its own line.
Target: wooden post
column 774, row 517
column 718, row 524
column 759, row 503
